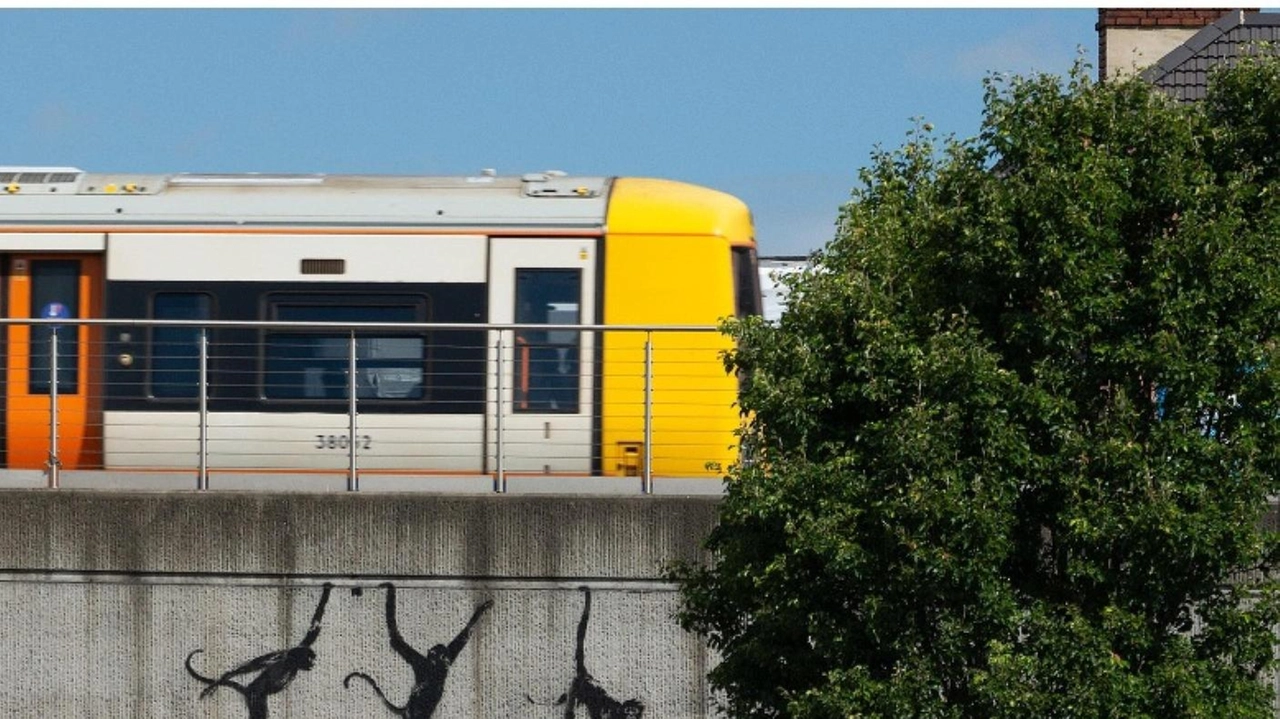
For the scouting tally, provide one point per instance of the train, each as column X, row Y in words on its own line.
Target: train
column 418, row 325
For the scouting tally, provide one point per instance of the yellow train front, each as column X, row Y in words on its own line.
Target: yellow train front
column 300, row 331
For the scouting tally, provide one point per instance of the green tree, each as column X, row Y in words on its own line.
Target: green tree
column 1014, row 437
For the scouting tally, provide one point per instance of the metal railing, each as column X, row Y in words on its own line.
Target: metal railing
column 443, row 400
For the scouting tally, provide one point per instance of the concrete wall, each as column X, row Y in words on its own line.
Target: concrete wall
column 108, row 594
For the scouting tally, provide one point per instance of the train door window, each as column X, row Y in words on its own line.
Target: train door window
column 746, row 283
column 175, row 351
column 55, row 291
column 309, row 365
column 546, row 361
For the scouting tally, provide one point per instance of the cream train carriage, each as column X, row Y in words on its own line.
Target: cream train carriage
column 230, row 310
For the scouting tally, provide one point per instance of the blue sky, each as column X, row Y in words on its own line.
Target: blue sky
column 779, row 107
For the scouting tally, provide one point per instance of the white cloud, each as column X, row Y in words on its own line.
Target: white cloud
column 197, row 143
column 322, row 29
column 1034, row 47
column 56, row 119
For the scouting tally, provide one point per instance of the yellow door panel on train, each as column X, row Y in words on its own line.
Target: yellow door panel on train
column 53, row 286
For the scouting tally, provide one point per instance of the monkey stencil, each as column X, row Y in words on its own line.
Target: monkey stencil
column 584, row 690
column 429, row 670
column 275, row 670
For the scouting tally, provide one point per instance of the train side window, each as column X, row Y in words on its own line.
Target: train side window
column 175, row 351
column 547, row 361
column 312, row 365
column 746, row 283
column 55, row 282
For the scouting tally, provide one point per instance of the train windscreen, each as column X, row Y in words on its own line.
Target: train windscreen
column 746, row 283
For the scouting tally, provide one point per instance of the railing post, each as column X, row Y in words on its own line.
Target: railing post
column 353, row 477
column 202, row 476
column 500, row 478
column 647, row 482
column 54, row 462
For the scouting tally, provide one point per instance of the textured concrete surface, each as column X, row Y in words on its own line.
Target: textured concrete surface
column 109, row 593
column 350, row 534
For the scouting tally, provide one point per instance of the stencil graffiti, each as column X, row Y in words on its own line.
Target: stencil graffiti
column 584, row 690
column 429, row 670
column 275, row 671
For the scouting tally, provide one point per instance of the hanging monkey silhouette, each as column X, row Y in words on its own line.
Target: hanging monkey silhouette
column 429, row 670
column 275, row 670
column 584, row 690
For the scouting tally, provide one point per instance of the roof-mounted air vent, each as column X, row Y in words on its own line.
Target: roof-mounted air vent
column 555, row 183
column 16, row 180
column 246, row 179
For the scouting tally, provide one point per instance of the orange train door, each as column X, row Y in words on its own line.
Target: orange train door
column 69, row 286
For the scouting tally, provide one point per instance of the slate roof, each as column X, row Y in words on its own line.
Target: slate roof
column 1184, row 72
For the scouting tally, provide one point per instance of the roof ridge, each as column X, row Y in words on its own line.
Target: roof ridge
column 1194, row 44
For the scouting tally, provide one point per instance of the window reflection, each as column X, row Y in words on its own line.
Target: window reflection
column 547, row 361
column 314, row 365
column 175, row 351
column 55, row 283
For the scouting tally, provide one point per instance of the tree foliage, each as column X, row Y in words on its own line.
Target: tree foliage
column 1014, row 437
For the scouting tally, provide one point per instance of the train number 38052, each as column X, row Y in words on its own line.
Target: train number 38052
column 342, row 441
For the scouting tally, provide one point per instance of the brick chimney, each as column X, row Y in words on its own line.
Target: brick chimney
column 1133, row 39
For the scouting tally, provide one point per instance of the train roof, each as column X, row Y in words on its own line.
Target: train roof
column 69, row 196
